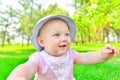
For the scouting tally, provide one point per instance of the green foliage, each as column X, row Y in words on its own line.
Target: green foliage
column 95, row 18
column 30, row 16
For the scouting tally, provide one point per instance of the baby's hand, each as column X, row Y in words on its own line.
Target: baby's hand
column 108, row 52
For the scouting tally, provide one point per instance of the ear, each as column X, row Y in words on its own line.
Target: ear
column 40, row 41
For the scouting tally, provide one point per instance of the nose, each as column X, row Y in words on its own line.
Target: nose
column 64, row 38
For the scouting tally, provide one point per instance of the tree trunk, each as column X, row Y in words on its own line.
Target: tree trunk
column 3, row 38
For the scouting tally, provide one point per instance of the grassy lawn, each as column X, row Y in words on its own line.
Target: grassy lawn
column 11, row 56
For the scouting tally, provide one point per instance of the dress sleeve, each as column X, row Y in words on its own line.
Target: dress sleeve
column 35, row 58
column 73, row 54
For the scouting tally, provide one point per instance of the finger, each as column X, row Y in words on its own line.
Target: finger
column 114, row 51
column 108, row 46
column 108, row 51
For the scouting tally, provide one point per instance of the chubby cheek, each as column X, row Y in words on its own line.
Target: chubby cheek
column 69, row 41
column 52, row 44
column 69, row 45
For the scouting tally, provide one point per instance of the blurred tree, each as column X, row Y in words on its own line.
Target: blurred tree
column 4, row 29
column 6, row 20
column 26, row 19
column 31, row 13
column 96, row 20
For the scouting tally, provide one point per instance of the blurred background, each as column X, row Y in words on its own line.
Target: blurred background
column 97, row 22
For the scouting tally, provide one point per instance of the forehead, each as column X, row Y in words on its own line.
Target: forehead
column 55, row 20
column 49, row 24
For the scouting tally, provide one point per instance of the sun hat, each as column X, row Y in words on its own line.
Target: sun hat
column 70, row 23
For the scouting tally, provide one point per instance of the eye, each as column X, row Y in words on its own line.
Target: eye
column 67, row 34
column 57, row 34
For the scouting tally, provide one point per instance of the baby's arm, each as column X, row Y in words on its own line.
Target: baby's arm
column 23, row 72
column 96, row 57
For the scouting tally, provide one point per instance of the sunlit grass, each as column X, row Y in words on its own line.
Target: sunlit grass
column 109, row 70
column 13, row 55
column 93, row 46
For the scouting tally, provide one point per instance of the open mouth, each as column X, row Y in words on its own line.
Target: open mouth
column 62, row 46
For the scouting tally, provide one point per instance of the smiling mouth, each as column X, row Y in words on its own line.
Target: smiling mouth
column 62, row 46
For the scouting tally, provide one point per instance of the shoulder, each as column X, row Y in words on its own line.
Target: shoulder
column 73, row 53
column 36, row 55
column 36, row 58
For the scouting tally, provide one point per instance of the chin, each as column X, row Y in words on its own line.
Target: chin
column 62, row 53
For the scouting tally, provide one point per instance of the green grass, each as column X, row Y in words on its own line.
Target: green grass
column 13, row 55
column 109, row 70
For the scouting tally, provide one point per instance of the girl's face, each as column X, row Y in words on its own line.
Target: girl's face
column 55, row 37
